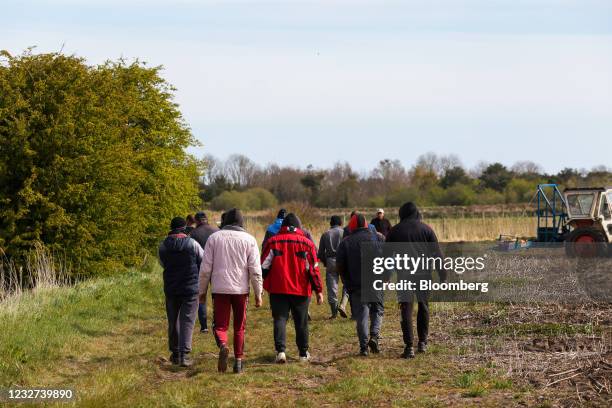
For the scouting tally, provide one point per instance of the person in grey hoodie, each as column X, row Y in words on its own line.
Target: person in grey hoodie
column 180, row 256
column 328, row 245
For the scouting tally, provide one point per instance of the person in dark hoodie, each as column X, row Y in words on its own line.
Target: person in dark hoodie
column 202, row 231
column 180, row 256
column 348, row 264
column 412, row 229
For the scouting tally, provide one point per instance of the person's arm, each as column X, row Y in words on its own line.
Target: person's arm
column 267, row 258
column 199, row 252
column 255, row 274
column 321, row 253
column 206, row 269
column 315, row 275
column 161, row 255
column 433, row 239
column 341, row 261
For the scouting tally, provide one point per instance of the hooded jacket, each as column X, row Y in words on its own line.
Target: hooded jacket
column 180, row 256
column 412, row 229
column 290, row 265
column 231, row 260
column 348, row 256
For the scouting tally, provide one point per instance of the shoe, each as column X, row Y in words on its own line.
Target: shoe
column 223, row 355
column 238, row 366
column 306, row 358
column 408, row 352
column 281, row 358
column 204, row 330
column 185, row 360
column 174, row 358
column 422, row 347
column 342, row 312
column 363, row 352
column 373, row 344
column 332, row 317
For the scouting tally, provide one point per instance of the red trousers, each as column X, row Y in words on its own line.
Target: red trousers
column 224, row 305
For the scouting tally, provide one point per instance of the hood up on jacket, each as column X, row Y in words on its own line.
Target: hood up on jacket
column 409, row 212
column 233, row 218
column 357, row 221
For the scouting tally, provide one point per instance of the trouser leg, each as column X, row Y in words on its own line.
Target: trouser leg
column 202, row 315
column 331, row 280
column 299, row 311
column 377, row 311
column 172, row 312
column 221, row 317
column 187, row 317
column 406, row 323
column 423, row 321
column 280, row 313
column 239, row 308
column 360, row 313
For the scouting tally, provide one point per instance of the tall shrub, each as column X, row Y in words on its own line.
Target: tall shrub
column 92, row 159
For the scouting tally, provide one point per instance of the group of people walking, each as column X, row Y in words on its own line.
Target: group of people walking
column 197, row 256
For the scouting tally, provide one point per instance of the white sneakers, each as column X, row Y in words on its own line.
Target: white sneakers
column 306, row 358
column 281, row 358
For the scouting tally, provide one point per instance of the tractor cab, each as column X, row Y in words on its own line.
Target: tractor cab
column 589, row 213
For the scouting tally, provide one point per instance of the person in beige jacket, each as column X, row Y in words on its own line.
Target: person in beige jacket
column 231, row 265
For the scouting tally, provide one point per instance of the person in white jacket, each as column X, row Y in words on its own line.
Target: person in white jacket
column 231, row 265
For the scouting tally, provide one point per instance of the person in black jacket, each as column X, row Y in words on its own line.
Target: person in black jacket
column 202, row 231
column 381, row 224
column 348, row 264
column 412, row 229
column 180, row 256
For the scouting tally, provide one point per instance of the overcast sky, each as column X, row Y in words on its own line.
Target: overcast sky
column 314, row 82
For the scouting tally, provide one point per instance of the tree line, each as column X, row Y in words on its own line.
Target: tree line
column 432, row 180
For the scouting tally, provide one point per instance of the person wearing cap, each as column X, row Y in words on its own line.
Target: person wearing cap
column 328, row 245
column 202, row 231
column 231, row 265
column 381, row 224
column 371, row 227
column 180, row 257
column 291, row 274
column 275, row 227
column 348, row 264
column 412, row 229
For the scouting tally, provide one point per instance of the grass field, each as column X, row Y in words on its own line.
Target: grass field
column 105, row 339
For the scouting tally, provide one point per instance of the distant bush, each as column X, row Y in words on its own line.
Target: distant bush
column 92, row 159
column 252, row 199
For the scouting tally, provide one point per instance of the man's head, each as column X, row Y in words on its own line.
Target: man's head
column 233, row 217
column 177, row 224
column 409, row 211
column 335, row 221
column 357, row 221
column 282, row 213
column 380, row 214
column 291, row 221
column 201, row 218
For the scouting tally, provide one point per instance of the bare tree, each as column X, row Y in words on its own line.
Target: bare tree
column 240, row 170
column 526, row 167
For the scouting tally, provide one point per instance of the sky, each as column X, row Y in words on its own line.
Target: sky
column 319, row 81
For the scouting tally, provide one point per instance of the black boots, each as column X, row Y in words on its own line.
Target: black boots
column 238, row 366
column 408, row 352
column 373, row 344
column 422, row 347
column 334, row 311
column 174, row 358
column 223, row 355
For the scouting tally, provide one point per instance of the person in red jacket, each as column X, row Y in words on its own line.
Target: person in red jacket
column 291, row 271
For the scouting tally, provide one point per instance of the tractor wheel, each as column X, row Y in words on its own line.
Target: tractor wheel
column 585, row 243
